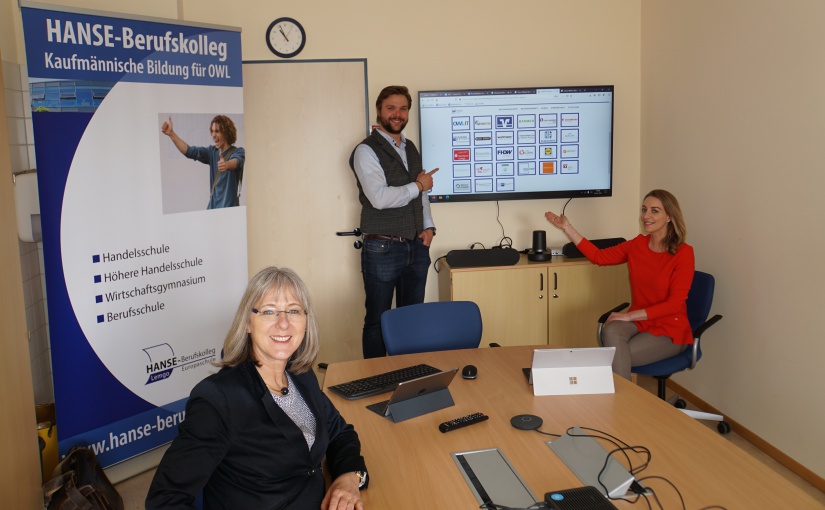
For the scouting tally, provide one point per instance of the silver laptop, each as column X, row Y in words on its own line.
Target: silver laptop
column 580, row 371
column 589, row 461
column 492, row 479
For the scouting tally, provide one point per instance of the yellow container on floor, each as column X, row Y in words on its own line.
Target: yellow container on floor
column 47, row 432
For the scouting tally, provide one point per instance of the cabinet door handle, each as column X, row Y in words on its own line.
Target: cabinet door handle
column 555, row 281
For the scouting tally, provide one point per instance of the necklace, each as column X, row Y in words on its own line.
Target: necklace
column 284, row 391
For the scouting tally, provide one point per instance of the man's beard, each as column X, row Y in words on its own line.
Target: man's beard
column 387, row 126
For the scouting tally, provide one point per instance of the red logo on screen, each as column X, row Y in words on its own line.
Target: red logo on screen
column 461, row 155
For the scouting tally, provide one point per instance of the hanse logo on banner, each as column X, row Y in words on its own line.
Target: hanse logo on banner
column 162, row 361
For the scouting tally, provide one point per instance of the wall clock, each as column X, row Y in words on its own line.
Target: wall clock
column 285, row 37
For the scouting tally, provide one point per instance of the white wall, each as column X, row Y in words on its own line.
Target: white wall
column 733, row 122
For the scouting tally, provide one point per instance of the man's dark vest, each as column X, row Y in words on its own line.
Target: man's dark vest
column 406, row 221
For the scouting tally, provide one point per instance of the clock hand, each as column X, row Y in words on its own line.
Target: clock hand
column 283, row 34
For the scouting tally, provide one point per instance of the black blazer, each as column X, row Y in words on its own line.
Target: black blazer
column 243, row 452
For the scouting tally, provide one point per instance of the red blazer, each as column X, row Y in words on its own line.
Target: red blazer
column 659, row 283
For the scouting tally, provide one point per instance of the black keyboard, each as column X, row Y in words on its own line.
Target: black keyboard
column 381, row 383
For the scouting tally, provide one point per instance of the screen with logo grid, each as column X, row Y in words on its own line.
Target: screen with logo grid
column 518, row 143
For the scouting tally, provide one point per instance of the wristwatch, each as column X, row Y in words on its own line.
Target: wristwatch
column 362, row 479
column 431, row 228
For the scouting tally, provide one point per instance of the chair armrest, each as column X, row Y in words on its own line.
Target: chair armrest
column 697, row 338
column 708, row 323
column 605, row 315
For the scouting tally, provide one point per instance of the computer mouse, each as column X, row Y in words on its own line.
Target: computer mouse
column 469, row 372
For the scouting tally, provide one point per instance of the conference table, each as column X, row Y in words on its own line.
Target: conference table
column 411, row 467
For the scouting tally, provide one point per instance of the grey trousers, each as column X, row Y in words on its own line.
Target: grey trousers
column 634, row 348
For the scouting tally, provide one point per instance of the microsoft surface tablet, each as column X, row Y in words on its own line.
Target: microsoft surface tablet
column 415, row 388
column 573, row 371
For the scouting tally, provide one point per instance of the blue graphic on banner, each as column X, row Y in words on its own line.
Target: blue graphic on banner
column 82, row 382
column 131, row 436
column 63, row 45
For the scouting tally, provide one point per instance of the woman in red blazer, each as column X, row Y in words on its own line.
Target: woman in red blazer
column 256, row 432
column 661, row 267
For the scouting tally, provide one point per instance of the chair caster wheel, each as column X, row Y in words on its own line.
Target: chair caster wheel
column 723, row 427
column 680, row 404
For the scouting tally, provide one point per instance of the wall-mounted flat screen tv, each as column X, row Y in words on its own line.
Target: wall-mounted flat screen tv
column 518, row 143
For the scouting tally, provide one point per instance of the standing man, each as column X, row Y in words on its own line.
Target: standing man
column 225, row 161
column 395, row 215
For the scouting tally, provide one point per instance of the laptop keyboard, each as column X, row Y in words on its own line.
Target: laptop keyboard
column 381, row 383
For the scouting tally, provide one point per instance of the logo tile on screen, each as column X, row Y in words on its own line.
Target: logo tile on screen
column 483, row 122
column 504, row 121
column 461, row 123
column 573, row 380
column 461, row 154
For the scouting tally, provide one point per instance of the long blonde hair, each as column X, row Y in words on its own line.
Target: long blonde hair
column 676, row 230
column 237, row 346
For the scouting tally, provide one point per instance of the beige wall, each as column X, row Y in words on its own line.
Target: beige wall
column 733, row 121
column 545, row 44
column 698, row 74
column 436, row 44
column 19, row 467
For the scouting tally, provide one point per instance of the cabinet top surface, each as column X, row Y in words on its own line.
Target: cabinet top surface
column 523, row 263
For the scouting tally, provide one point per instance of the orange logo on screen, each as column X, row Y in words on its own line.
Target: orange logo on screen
column 548, row 167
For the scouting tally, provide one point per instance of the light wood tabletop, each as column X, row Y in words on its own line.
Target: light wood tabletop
column 410, row 465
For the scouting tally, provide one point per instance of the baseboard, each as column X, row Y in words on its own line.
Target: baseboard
column 769, row 450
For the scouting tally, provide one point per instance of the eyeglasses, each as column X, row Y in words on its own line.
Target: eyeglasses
column 271, row 314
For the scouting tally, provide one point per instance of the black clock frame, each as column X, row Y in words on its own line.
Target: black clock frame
column 303, row 37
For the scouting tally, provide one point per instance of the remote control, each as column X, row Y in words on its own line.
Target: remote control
column 462, row 422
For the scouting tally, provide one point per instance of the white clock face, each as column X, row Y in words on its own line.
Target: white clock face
column 286, row 37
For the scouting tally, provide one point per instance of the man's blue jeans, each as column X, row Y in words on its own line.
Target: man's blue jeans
column 390, row 267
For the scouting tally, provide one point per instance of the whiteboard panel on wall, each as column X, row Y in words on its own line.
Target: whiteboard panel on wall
column 303, row 119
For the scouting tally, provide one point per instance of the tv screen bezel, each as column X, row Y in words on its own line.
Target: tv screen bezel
column 525, row 195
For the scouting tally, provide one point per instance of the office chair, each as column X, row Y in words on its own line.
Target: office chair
column 698, row 303
column 426, row 327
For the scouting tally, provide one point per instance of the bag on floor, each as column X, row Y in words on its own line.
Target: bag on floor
column 79, row 483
